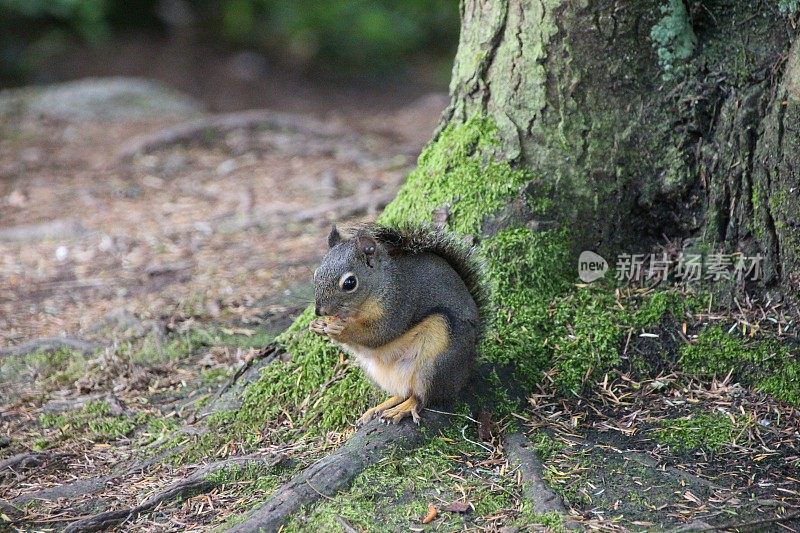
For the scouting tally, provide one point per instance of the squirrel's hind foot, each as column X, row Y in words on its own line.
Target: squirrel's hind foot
column 406, row 408
column 378, row 409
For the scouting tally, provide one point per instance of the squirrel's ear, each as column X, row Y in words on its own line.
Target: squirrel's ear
column 334, row 237
column 368, row 246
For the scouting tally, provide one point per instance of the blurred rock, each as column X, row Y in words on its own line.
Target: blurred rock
column 174, row 163
column 248, row 66
column 99, row 99
column 62, row 252
column 55, row 229
column 177, row 13
column 226, row 167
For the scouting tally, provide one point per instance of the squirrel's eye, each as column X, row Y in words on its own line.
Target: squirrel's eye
column 348, row 282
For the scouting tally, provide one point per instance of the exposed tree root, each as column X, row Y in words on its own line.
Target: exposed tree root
column 74, row 489
column 228, row 396
column 197, row 128
column 337, row 470
column 82, row 487
column 196, row 483
column 346, row 207
column 116, row 407
column 520, row 454
column 21, row 461
column 9, row 510
column 51, row 344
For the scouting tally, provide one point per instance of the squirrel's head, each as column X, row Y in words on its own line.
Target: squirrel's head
column 349, row 274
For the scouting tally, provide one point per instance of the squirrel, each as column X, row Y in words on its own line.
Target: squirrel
column 407, row 303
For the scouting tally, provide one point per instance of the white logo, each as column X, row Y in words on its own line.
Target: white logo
column 591, row 266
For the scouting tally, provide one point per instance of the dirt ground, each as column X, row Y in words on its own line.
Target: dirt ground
column 173, row 265
column 105, row 250
column 85, row 233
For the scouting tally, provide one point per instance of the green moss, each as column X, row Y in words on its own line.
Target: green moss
column 552, row 520
column 569, row 484
column 394, row 494
column 93, row 421
column 52, row 370
column 305, row 397
column 213, row 376
column 458, row 171
column 158, row 428
column 307, row 385
column 544, row 445
column 789, row 7
column 258, row 478
column 182, row 344
column 717, row 352
column 783, row 384
column 524, row 270
column 656, row 305
column 766, row 364
column 588, row 337
column 709, row 431
column 41, row 444
column 743, row 65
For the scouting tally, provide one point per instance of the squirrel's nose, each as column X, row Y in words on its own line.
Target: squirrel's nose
column 318, row 310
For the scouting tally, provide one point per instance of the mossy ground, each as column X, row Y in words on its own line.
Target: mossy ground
column 548, row 330
column 52, row 370
column 544, row 331
column 394, row 494
column 708, row 431
column 94, row 421
column 34, row 376
column 764, row 363
column 186, row 341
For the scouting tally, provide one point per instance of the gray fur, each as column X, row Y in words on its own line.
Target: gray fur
column 412, row 282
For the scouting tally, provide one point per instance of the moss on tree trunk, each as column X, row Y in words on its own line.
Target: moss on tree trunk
column 621, row 157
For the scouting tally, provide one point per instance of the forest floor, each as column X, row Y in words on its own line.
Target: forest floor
column 150, row 253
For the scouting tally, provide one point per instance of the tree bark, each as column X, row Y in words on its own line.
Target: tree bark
column 577, row 94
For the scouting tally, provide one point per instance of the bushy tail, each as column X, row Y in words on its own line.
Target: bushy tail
column 462, row 257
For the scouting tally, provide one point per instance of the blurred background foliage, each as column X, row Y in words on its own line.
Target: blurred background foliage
column 354, row 35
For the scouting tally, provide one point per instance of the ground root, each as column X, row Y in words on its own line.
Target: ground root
column 520, row 453
column 337, row 470
column 50, row 344
column 197, row 482
column 81, row 487
column 22, row 461
column 197, row 128
column 347, row 207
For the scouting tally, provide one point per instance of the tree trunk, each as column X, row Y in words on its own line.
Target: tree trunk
column 625, row 158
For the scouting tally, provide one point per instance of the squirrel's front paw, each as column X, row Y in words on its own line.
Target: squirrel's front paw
column 327, row 326
column 317, row 326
